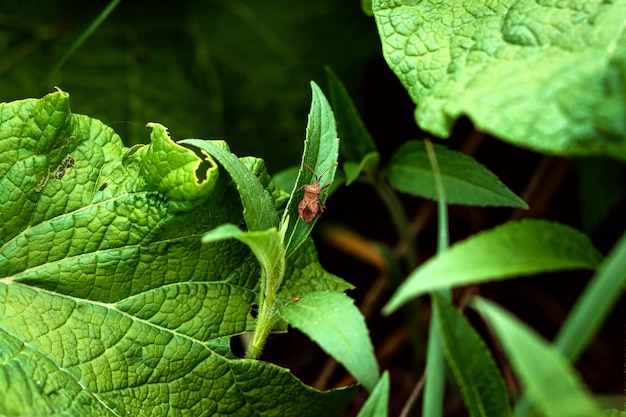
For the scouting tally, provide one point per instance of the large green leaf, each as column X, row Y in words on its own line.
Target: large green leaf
column 464, row 179
column 510, row 250
column 550, row 76
column 109, row 303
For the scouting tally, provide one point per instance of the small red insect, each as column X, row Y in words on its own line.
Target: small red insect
column 296, row 298
column 311, row 205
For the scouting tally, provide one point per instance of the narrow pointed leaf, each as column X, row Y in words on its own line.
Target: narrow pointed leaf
column 465, row 180
column 595, row 303
column 547, row 76
column 473, row 366
column 377, row 405
column 333, row 322
column 511, row 250
column 353, row 170
column 356, row 142
column 109, row 303
column 321, row 150
column 548, row 379
column 266, row 245
column 258, row 208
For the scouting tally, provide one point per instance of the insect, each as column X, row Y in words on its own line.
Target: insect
column 296, row 298
column 311, row 205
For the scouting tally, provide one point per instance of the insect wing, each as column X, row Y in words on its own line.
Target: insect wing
column 307, row 209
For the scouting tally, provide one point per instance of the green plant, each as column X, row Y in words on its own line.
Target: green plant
column 126, row 273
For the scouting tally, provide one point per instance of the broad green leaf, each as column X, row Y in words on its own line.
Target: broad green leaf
column 473, row 366
column 548, row 379
column 336, row 324
column 549, row 76
column 465, row 180
column 321, row 150
column 258, row 208
column 356, row 143
column 377, row 405
column 109, row 303
column 510, row 250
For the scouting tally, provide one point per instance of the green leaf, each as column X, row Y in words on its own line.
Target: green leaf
column 482, row 386
column 304, row 274
column 258, row 208
column 286, row 178
column 366, row 5
column 353, row 170
column 595, row 303
column 591, row 309
column 266, row 245
column 356, row 143
column 109, row 303
column 465, row 180
column 510, row 250
column 541, row 75
column 547, row 377
column 321, row 150
column 333, row 322
column 377, row 405
column 257, row 167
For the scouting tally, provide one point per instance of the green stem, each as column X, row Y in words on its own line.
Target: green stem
column 398, row 216
column 443, row 240
column 270, row 284
column 264, row 325
column 86, row 34
column 435, row 375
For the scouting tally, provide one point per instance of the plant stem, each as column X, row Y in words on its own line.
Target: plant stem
column 86, row 34
column 270, row 284
column 264, row 325
column 435, row 370
column 399, row 218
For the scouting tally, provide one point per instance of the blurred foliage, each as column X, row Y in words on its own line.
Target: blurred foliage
column 237, row 70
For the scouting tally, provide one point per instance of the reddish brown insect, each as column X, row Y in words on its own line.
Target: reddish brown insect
column 311, row 205
column 296, row 298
